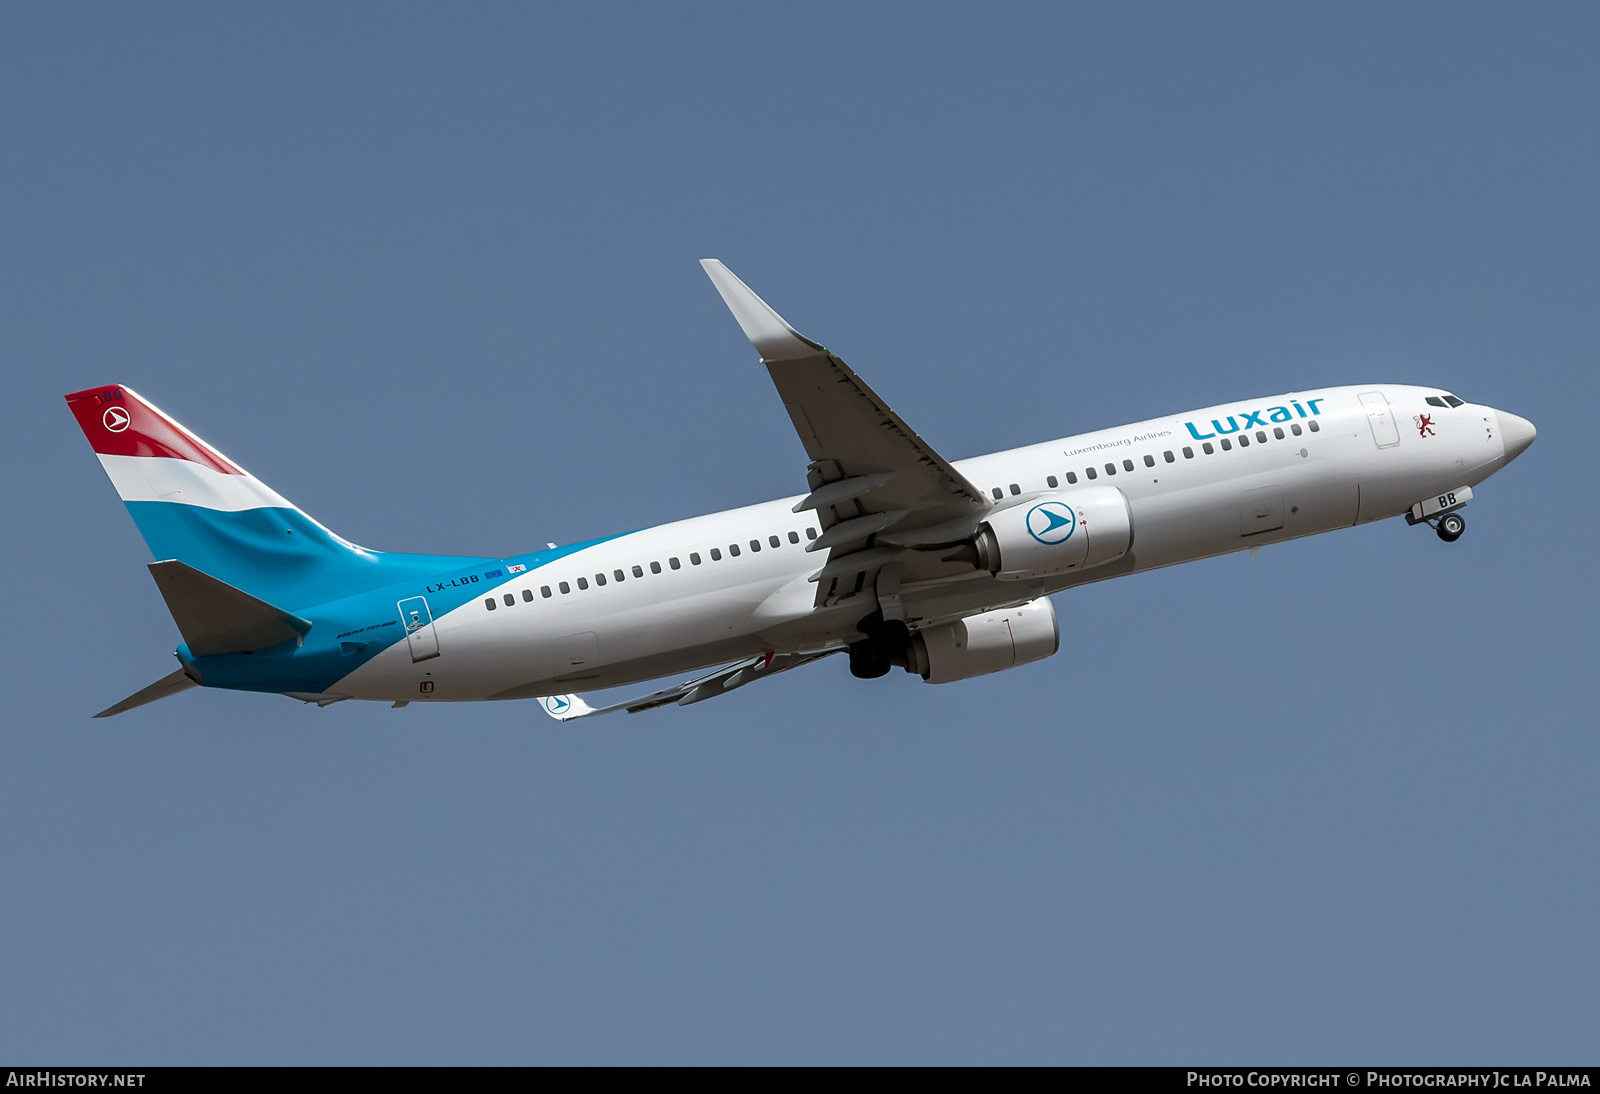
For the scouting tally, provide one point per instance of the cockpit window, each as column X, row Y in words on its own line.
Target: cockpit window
column 1453, row 401
column 1445, row 400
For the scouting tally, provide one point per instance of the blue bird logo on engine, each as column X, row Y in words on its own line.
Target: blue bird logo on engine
column 1052, row 522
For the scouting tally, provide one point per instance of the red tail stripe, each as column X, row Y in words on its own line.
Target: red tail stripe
column 119, row 423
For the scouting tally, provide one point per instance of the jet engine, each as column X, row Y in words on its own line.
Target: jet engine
column 986, row 643
column 1055, row 534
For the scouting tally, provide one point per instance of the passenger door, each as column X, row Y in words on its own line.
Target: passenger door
column 1385, row 433
column 420, row 634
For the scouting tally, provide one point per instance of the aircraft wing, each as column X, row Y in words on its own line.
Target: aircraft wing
column 565, row 708
column 873, row 480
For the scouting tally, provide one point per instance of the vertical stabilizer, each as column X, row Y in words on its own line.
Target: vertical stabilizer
column 196, row 506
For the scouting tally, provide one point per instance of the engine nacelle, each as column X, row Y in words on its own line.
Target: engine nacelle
column 1056, row 534
column 981, row 644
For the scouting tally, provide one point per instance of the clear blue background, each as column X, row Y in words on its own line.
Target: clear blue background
column 431, row 273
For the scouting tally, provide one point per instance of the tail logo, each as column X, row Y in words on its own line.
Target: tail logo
column 116, row 419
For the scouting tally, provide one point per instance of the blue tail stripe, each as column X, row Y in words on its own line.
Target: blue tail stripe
column 278, row 554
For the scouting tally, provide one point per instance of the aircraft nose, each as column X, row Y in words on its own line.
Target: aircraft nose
column 1516, row 434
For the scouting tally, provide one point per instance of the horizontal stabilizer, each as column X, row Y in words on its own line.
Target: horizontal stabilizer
column 167, row 685
column 215, row 618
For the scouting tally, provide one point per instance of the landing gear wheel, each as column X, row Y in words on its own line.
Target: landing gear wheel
column 869, row 660
column 1451, row 525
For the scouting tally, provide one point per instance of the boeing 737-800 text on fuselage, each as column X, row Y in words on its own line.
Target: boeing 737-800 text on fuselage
column 895, row 555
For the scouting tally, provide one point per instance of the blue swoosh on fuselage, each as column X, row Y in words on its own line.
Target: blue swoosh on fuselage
column 350, row 631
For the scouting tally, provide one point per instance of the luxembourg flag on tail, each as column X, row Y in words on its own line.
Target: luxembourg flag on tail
column 195, row 505
column 151, row 458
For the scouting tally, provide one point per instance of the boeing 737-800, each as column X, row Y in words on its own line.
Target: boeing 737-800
column 893, row 555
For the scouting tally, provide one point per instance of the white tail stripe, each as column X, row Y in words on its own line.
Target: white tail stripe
column 184, row 482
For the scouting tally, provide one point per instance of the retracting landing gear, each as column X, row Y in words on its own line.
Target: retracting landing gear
column 884, row 647
column 1440, row 511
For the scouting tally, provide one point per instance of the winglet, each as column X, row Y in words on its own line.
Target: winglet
column 773, row 338
column 564, row 708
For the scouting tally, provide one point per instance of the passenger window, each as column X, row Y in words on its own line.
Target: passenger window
column 1111, row 469
column 564, row 587
column 599, row 579
column 638, row 571
column 1072, row 478
column 1261, row 435
column 527, row 594
column 1149, row 461
column 733, row 549
column 794, row 537
column 1051, row 479
column 544, row 591
column 583, row 583
column 1294, row 427
column 755, row 545
column 655, row 567
column 1315, row 428
column 1015, row 489
column 774, row 541
column 1169, row 457
column 490, row 604
column 1277, row 431
column 618, row 574
column 1227, row 445
column 998, row 493
column 694, row 558
column 1207, row 449
column 509, row 599
column 1188, row 453
column 673, row 562
column 1090, row 472
column 811, row 533
column 1127, row 465
column 716, row 555
column 1244, row 441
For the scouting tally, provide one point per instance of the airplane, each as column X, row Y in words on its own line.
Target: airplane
column 894, row 555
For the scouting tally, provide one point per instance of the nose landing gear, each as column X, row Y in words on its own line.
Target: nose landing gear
column 1440, row 511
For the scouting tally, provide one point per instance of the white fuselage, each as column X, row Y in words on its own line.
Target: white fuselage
column 1186, row 504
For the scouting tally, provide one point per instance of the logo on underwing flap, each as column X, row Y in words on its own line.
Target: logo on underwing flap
column 1052, row 522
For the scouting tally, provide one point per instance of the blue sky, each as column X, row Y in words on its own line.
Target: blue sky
column 431, row 274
